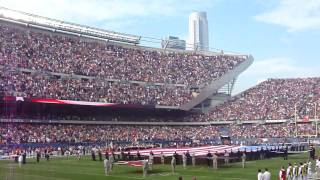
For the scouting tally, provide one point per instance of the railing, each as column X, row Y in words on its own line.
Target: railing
column 143, row 123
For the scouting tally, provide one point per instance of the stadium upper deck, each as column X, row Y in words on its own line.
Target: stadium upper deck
column 92, row 70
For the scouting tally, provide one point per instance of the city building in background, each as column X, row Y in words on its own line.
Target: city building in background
column 173, row 42
column 198, row 32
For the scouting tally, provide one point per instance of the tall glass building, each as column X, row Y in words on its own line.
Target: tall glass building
column 198, row 31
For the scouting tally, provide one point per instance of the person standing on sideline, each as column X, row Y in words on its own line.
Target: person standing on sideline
column 266, row 175
column 100, row 154
column 193, row 159
column 162, row 158
column 289, row 172
column 151, row 158
column 20, row 159
column 300, row 172
column 184, row 160
column 145, row 167
column 260, row 174
column 111, row 159
column 173, row 164
column 295, row 171
column 209, row 158
column 285, row 153
column 188, row 158
column 226, row 158
column 309, row 171
column 176, row 156
column 93, row 155
column 138, row 155
column 282, row 173
column 38, row 156
column 243, row 159
column 46, row 155
column 106, row 164
column 312, row 152
column 79, row 154
column 24, row 157
column 215, row 161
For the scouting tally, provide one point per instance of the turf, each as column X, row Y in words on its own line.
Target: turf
column 85, row 169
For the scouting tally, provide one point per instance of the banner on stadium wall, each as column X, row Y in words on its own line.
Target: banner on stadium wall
column 69, row 102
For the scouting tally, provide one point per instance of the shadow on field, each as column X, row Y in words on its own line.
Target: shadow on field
column 155, row 171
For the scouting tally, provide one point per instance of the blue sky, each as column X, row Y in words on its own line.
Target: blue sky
column 282, row 35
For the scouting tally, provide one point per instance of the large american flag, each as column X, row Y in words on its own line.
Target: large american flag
column 198, row 151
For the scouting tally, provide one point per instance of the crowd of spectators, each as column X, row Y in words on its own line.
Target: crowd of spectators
column 271, row 130
column 53, row 52
column 40, row 86
column 112, row 66
column 272, row 99
column 18, row 133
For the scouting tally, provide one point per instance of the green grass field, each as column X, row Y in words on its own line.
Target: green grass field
column 85, row 169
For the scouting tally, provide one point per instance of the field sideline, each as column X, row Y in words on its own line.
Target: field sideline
column 85, row 169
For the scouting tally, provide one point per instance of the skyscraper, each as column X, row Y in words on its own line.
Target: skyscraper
column 198, row 31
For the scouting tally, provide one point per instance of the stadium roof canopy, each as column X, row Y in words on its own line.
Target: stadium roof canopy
column 58, row 25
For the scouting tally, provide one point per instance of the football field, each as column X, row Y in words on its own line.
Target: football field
column 86, row 169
